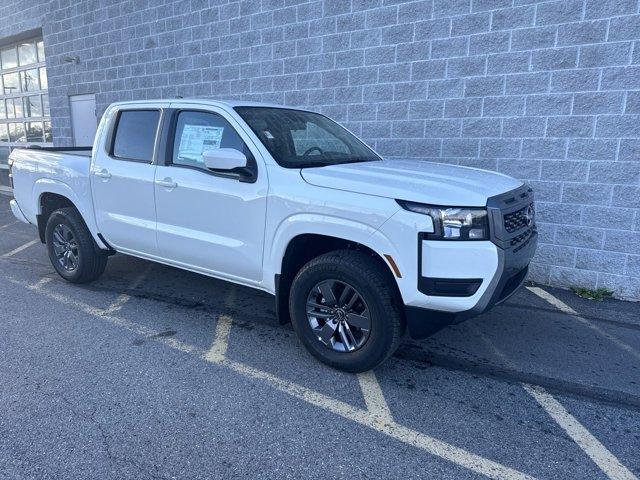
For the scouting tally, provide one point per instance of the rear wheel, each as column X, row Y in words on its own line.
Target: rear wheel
column 71, row 249
column 346, row 311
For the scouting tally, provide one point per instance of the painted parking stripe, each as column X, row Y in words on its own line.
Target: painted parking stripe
column 563, row 307
column 218, row 349
column 406, row 435
column 8, row 225
column 373, row 396
column 20, row 248
column 589, row 444
column 123, row 297
column 602, row 457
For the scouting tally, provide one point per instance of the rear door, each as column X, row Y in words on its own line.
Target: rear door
column 122, row 179
column 209, row 221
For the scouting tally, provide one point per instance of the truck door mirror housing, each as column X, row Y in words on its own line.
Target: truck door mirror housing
column 224, row 159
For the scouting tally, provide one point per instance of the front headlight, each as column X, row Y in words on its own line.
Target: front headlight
column 453, row 223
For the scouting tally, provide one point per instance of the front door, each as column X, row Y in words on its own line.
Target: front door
column 122, row 182
column 209, row 221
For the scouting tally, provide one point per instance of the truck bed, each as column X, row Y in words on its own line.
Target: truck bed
column 79, row 151
column 59, row 170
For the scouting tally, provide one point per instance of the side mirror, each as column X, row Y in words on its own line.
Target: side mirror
column 224, row 159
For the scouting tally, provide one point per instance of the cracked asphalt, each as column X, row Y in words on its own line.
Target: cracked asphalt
column 110, row 380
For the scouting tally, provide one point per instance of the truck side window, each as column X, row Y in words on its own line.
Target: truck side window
column 197, row 132
column 135, row 135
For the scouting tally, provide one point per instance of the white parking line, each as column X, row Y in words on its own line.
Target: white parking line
column 602, row 457
column 406, row 435
column 8, row 225
column 20, row 248
column 123, row 297
column 218, row 349
column 560, row 305
column 373, row 396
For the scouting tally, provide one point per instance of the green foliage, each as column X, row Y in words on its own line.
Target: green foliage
column 597, row 294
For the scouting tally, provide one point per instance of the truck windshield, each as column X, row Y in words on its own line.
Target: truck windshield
column 299, row 139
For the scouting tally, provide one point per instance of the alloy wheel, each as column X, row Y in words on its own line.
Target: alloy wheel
column 338, row 315
column 65, row 247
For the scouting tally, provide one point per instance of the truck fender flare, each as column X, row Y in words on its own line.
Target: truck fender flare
column 328, row 226
column 43, row 186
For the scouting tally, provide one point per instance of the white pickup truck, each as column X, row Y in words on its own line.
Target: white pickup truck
column 356, row 249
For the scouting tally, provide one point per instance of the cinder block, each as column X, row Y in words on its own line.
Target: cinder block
column 469, row 24
column 609, row 8
column 553, row 104
column 481, row 127
column 483, row 86
column 582, row 32
column 507, row 106
column 555, row 59
column 598, row 103
column 500, row 148
column 493, row 42
column 604, row 55
column 523, row 83
column 533, row 38
column 570, row 126
column 575, row 80
column 624, row 28
column 615, row 126
column 466, row 66
column 463, row 107
column 510, row 18
column 562, row 11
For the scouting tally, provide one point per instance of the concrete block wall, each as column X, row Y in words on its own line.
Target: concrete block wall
column 546, row 91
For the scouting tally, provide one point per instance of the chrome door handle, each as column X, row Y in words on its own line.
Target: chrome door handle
column 104, row 173
column 167, row 183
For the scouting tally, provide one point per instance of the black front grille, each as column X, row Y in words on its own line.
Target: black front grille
column 516, row 220
column 521, row 241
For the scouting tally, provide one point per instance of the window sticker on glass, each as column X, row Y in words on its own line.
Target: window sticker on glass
column 196, row 139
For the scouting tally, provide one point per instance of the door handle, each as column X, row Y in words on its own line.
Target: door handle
column 104, row 173
column 167, row 183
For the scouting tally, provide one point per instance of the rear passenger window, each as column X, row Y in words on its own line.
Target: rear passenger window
column 135, row 135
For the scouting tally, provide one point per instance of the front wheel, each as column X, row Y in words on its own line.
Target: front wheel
column 71, row 249
column 346, row 311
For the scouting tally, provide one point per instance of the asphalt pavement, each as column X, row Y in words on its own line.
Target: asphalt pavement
column 156, row 373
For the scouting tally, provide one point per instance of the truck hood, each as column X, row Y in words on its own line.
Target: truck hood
column 414, row 180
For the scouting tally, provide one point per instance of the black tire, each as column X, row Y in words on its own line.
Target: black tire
column 90, row 263
column 367, row 275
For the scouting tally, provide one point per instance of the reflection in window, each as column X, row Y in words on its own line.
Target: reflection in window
column 29, row 80
column 48, row 137
column 40, row 45
column 45, row 106
column 11, row 83
column 27, row 53
column 43, row 78
column 14, row 108
column 9, row 57
column 32, row 106
column 34, row 132
column 16, row 132
column 24, row 103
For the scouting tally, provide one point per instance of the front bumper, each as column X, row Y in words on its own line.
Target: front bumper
column 512, row 271
column 480, row 274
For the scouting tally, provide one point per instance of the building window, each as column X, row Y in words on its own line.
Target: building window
column 24, row 103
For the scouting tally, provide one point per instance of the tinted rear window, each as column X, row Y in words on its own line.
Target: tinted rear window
column 135, row 134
